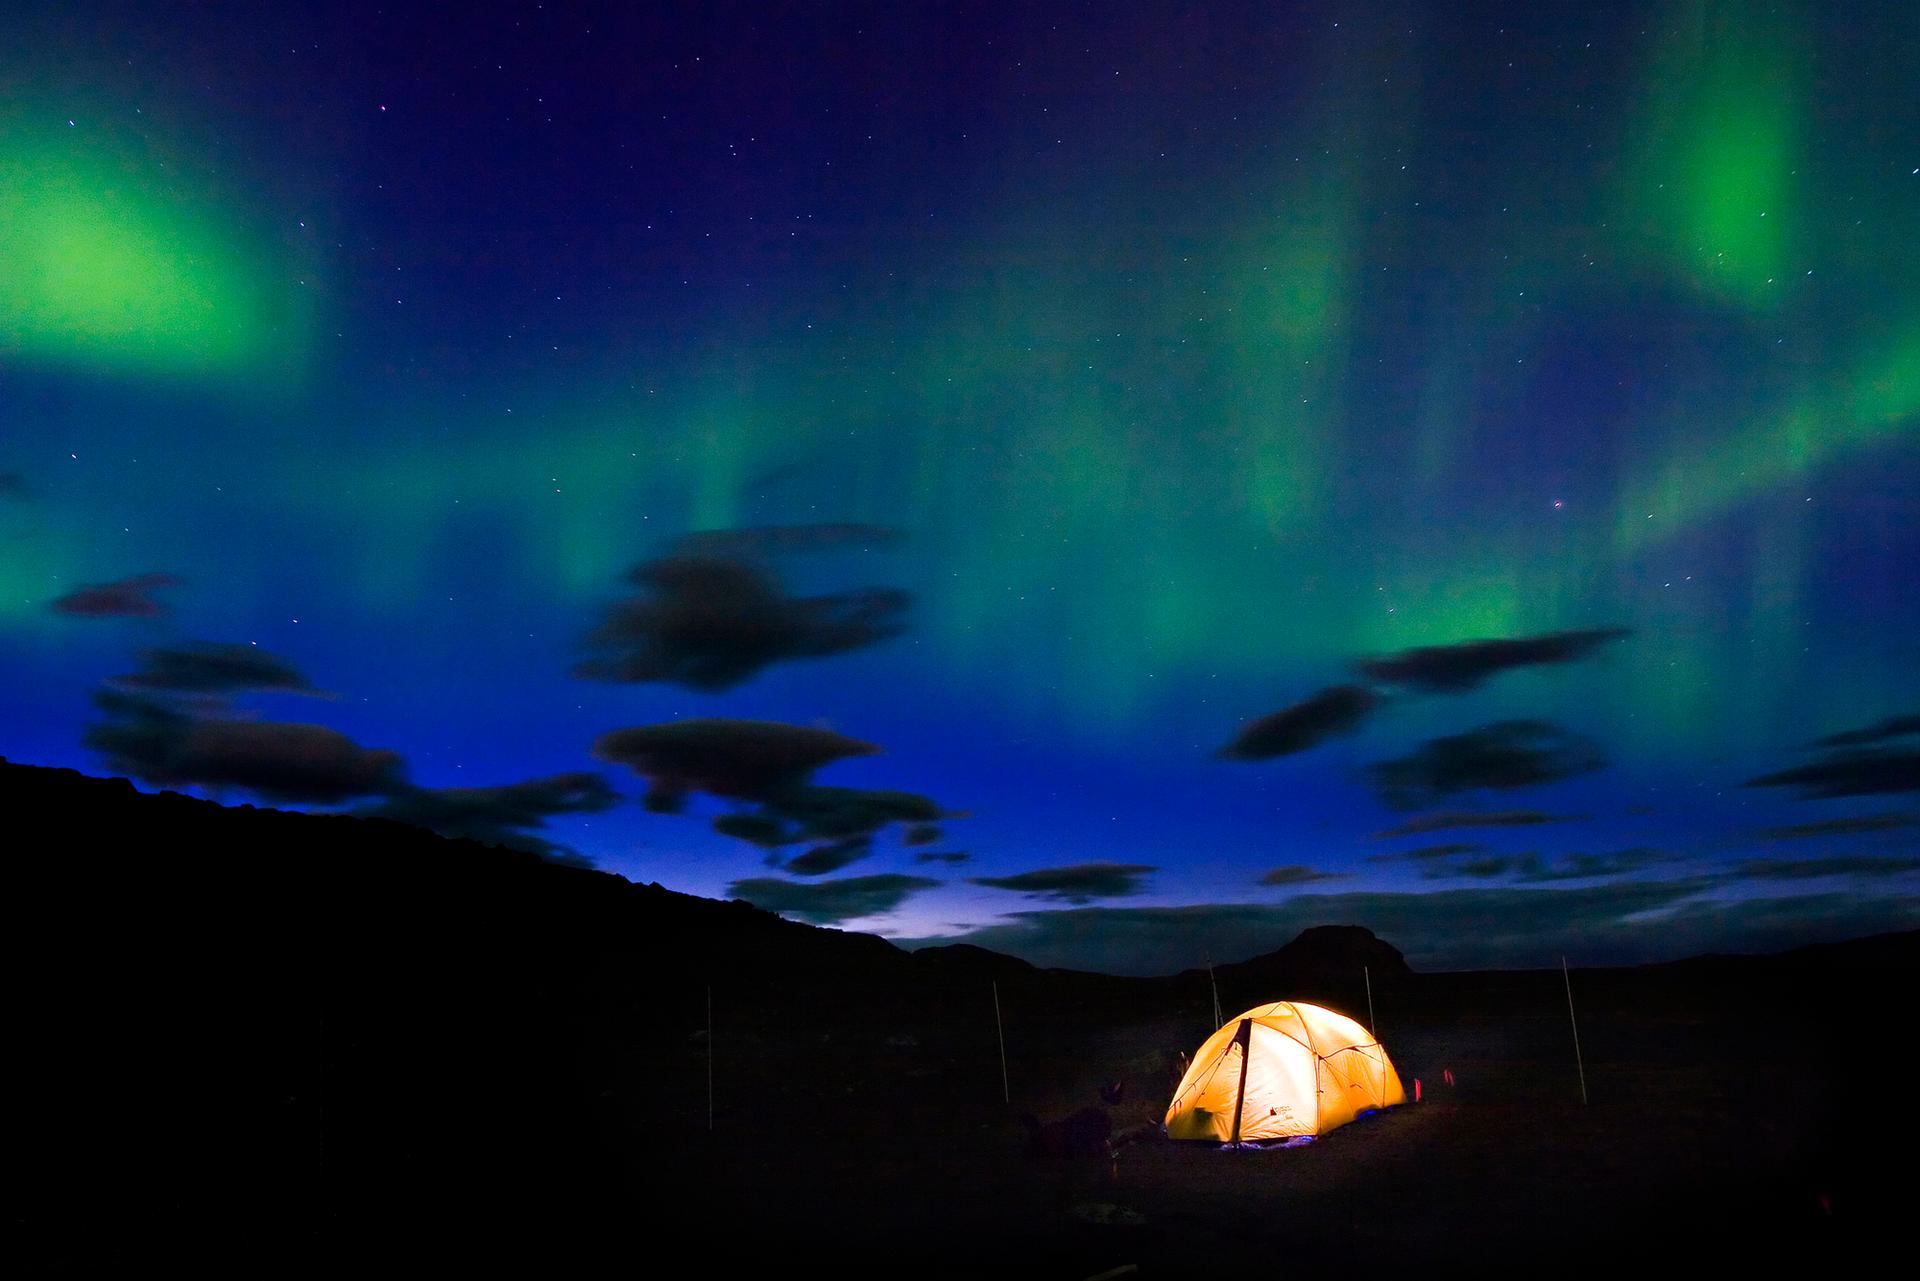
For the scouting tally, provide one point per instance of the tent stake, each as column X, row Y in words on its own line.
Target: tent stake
column 1578, row 1062
column 1006, row 1094
column 1373, row 1028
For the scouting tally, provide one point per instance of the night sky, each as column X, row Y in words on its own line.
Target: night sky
column 1115, row 483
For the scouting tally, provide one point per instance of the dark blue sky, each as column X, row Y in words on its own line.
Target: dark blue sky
column 1143, row 458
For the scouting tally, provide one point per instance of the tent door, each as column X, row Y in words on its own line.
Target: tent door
column 1244, row 1039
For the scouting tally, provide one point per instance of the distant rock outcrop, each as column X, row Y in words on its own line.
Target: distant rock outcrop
column 1329, row 964
column 1338, row 947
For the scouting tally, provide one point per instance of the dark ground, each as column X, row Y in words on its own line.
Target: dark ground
column 246, row 1039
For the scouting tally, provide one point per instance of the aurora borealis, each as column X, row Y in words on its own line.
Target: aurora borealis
column 1024, row 402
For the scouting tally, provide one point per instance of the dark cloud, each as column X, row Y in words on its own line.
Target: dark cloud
column 742, row 760
column 1621, row 923
column 1485, row 867
column 1857, row 763
column 127, row 598
column 770, row 764
column 1851, row 773
column 830, row 902
column 1582, row 867
column 1339, row 709
column 1433, row 669
column 203, row 668
column 1081, row 883
column 812, row 812
column 709, row 623
column 943, row 856
column 758, row 829
column 1447, row 820
column 1452, row 849
column 1454, row 669
column 1445, row 862
column 1297, row 874
column 165, row 745
column 509, row 814
column 1879, row 732
column 14, row 486
column 1505, row 754
column 822, row 859
column 1841, row 826
column 922, row 834
column 1806, row 869
column 773, row 540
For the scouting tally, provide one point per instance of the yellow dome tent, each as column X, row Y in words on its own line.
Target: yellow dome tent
column 1280, row 1071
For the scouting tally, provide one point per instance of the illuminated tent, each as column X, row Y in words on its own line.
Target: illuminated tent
column 1279, row 1071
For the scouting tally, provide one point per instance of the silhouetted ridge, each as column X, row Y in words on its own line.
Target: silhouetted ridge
column 288, row 1020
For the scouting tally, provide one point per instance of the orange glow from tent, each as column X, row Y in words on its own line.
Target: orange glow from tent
column 1281, row 1071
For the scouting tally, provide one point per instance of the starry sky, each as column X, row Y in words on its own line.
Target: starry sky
column 1116, row 484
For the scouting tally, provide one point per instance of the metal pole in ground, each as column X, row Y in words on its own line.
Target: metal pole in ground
column 1006, row 1094
column 1373, row 1028
column 1578, row 1062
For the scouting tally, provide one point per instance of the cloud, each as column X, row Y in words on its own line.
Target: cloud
column 758, row 829
column 1338, row 709
column 1297, row 874
column 773, row 540
column 822, row 859
column 1857, row 763
column 508, row 814
column 1081, row 883
column 1879, row 732
column 1454, row 669
column 1621, row 923
column 1444, row 862
column 710, row 623
column 1452, row 849
column 1581, row 867
column 1804, row 869
column 943, row 856
column 922, row 834
column 126, row 598
column 1502, row 755
column 811, row 812
column 1851, row 773
column 831, row 902
column 1485, row 867
column 14, row 487
column 280, row 761
column 789, row 815
column 203, row 668
column 1447, row 820
column 744, row 760
column 771, row 765
column 1841, row 826
column 1432, row 669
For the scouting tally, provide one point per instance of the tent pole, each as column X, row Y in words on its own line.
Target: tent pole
column 1217, row 1020
column 1245, row 1037
column 709, row 1057
column 1373, row 1030
column 1578, row 1062
column 1006, row 1094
